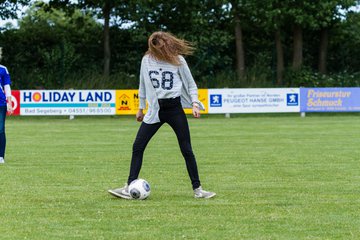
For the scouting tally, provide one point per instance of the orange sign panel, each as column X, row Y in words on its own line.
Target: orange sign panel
column 127, row 101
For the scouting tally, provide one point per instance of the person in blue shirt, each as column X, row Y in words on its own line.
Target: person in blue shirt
column 5, row 106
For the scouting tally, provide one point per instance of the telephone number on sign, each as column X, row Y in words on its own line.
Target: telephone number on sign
column 89, row 110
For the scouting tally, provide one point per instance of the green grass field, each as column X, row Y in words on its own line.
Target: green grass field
column 276, row 177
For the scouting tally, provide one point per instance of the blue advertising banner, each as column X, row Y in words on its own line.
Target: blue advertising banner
column 329, row 99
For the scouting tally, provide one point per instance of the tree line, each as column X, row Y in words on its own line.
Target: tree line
column 239, row 43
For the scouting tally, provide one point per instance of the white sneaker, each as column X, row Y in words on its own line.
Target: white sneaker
column 2, row 160
column 200, row 193
column 121, row 192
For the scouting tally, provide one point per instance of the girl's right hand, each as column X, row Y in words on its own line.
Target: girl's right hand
column 139, row 115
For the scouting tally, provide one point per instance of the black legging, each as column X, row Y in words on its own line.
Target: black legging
column 172, row 113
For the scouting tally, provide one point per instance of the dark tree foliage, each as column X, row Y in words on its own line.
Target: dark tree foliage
column 99, row 44
column 9, row 8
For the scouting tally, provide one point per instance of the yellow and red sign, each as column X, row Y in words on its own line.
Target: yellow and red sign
column 127, row 101
column 203, row 97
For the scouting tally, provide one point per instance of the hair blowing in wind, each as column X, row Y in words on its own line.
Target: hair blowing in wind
column 166, row 47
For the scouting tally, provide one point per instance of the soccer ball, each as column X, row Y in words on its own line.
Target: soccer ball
column 139, row 189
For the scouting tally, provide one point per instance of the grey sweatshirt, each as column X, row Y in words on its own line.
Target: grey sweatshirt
column 162, row 80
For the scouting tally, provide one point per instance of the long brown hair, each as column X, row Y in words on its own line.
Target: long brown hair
column 166, row 47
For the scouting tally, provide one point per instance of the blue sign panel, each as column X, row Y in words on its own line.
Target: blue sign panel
column 215, row 100
column 330, row 99
column 292, row 99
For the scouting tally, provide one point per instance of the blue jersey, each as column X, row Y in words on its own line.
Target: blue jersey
column 4, row 80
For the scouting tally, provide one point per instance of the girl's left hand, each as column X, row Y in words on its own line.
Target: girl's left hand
column 196, row 111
